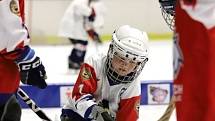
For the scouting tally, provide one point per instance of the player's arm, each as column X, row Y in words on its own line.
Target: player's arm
column 82, row 96
column 82, row 100
column 90, row 14
column 85, row 10
column 31, row 69
column 94, row 35
column 128, row 106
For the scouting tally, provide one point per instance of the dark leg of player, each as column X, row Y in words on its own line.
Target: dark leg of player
column 1, row 110
column 76, row 57
column 11, row 111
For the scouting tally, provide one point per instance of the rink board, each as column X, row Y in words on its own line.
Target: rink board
column 156, row 93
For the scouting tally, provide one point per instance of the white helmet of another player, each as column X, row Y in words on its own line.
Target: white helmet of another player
column 130, row 45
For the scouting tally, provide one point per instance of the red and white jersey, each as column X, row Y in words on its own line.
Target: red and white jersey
column 13, row 33
column 200, row 10
column 92, row 86
column 13, row 37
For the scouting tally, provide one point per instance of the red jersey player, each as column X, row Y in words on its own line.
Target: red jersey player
column 195, row 83
column 17, row 60
column 194, row 37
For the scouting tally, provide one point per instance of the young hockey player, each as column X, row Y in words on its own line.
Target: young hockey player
column 78, row 26
column 107, row 87
column 17, row 60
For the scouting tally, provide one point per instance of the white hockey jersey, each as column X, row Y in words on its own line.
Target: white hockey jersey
column 74, row 23
column 13, row 33
column 92, row 86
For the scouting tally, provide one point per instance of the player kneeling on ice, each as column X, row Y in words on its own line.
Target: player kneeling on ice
column 107, row 88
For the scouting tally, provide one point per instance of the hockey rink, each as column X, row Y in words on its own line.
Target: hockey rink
column 54, row 58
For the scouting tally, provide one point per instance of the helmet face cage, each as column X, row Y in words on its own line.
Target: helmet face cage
column 168, row 12
column 115, row 50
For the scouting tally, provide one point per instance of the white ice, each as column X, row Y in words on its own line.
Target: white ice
column 147, row 113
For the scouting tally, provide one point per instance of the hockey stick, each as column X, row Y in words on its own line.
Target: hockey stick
column 167, row 114
column 32, row 105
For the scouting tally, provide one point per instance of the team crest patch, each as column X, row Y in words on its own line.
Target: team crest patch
column 85, row 74
column 14, row 7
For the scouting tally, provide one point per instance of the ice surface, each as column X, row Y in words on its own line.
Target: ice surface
column 147, row 113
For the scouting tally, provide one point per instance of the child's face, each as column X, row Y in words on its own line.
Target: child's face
column 123, row 66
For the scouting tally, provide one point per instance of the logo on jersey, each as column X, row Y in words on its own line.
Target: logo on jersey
column 177, row 56
column 86, row 74
column 14, row 8
column 122, row 91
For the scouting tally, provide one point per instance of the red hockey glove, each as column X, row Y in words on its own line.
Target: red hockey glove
column 94, row 35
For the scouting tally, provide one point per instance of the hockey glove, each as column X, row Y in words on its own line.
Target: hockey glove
column 31, row 69
column 92, row 16
column 94, row 35
column 101, row 114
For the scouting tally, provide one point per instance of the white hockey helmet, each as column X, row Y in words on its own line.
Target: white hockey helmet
column 131, row 44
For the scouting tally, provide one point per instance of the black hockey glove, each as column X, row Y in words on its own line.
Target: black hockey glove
column 92, row 15
column 31, row 69
column 94, row 35
column 101, row 112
